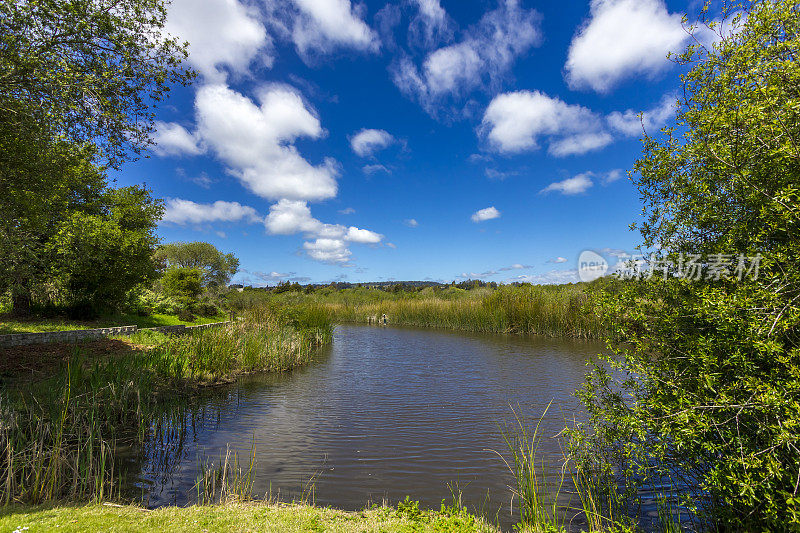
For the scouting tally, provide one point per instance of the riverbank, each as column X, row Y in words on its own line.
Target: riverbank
column 59, row 434
column 236, row 517
column 11, row 325
column 553, row 310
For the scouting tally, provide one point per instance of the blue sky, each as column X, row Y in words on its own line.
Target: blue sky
column 420, row 139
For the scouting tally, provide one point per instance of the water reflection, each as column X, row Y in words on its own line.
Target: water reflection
column 383, row 413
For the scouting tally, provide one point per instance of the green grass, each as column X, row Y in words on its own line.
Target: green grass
column 235, row 517
column 38, row 325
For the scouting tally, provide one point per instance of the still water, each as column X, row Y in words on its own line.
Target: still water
column 383, row 413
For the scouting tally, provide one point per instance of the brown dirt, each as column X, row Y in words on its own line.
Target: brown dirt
column 36, row 361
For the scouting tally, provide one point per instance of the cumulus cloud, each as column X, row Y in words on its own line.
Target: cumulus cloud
column 621, row 39
column 575, row 185
column 516, row 121
column 347, row 211
column 411, row 222
column 179, row 211
column 221, row 34
column 328, row 250
column 326, row 242
column 487, row 213
column 368, row 141
column 255, row 141
column 557, row 260
column 322, row 26
column 634, row 124
column 172, row 139
column 484, row 54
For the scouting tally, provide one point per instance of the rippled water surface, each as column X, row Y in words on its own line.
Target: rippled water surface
column 383, row 413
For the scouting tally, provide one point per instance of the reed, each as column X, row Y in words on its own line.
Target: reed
column 59, row 437
column 556, row 311
column 265, row 340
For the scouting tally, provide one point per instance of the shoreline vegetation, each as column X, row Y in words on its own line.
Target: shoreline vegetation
column 548, row 310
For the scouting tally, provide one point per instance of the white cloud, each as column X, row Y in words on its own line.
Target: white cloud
column 181, row 211
column 553, row 277
column 368, row 141
column 255, row 141
column 487, row 213
column 631, row 124
column 557, row 260
column 576, row 185
column 328, row 250
column 372, row 169
column 221, row 33
column 321, row 26
column 623, row 38
column 327, row 242
column 516, row 121
column 411, row 222
column 431, row 25
column 363, row 236
column 580, row 143
column 611, row 176
column 173, row 139
column 484, row 54
column 288, row 217
column 347, row 211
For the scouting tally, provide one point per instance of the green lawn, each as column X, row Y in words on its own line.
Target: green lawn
column 8, row 325
column 232, row 517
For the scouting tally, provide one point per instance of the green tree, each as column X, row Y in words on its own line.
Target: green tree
column 89, row 69
column 184, row 285
column 101, row 256
column 711, row 388
column 41, row 182
column 217, row 267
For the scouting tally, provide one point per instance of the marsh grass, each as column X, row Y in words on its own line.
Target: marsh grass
column 538, row 497
column 265, row 340
column 59, row 436
column 553, row 310
column 228, row 481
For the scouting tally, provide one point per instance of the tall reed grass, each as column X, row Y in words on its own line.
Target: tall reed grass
column 557, row 311
column 59, row 437
column 264, row 340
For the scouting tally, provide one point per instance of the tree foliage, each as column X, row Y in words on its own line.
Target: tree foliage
column 217, row 267
column 90, row 69
column 711, row 390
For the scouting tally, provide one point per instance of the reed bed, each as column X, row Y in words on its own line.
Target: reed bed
column 59, row 437
column 264, row 340
column 555, row 311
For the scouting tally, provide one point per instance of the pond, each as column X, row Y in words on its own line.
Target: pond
column 383, row 413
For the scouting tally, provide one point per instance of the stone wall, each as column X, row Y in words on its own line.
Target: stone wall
column 22, row 339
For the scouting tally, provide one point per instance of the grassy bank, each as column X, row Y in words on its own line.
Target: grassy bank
column 237, row 517
column 560, row 310
column 58, row 436
column 10, row 325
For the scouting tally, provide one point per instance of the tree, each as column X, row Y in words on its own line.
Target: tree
column 184, row 284
column 89, row 69
column 101, row 256
column 217, row 267
column 712, row 394
column 41, row 181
